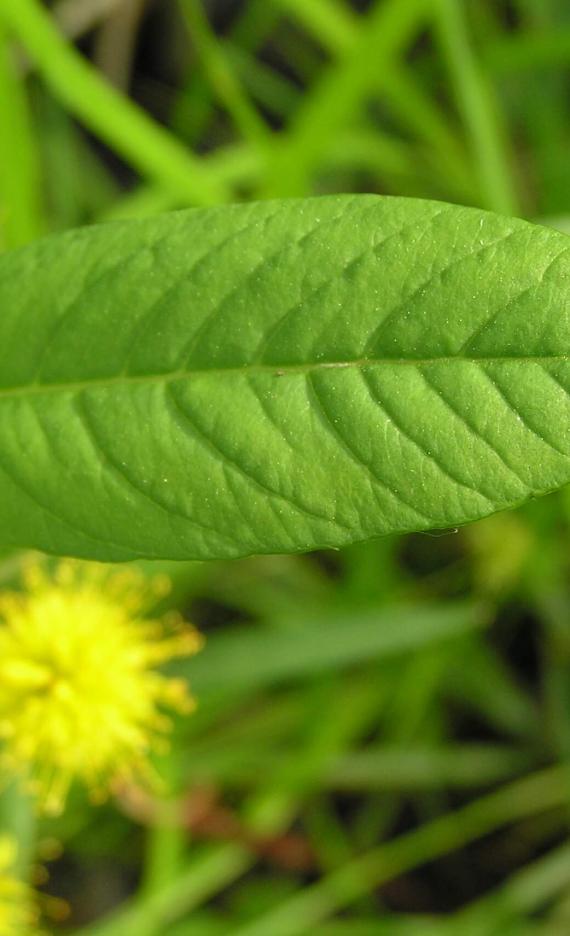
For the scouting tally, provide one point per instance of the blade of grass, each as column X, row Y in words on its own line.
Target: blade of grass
column 390, row 768
column 555, row 683
column 423, row 768
column 209, row 873
column 388, row 925
column 221, row 76
column 78, row 185
column 546, row 790
column 524, row 51
column 253, row 24
column 332, row 22
column 235, row 166
column 479, row 109
column 21, row 217
column 194, row 107
column 542, row 102
column 525, row 892
column 327, row 834
column 251, row 660
column 200, row 924
column 416, row 925
column 274, row 91
column 213, row 869
column 488, row 687
column 408, row 717
column 416, row 112
column 328, row 737
column 149, row 148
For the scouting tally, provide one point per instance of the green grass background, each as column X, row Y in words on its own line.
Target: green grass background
column 382, row 744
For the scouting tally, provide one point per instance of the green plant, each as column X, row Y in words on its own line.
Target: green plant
column 382, row 735
column 279, row 376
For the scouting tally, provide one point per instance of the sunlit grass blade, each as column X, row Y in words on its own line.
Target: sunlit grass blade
column 21, row 208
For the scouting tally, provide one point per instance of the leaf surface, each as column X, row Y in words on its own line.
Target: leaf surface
column 279, row 376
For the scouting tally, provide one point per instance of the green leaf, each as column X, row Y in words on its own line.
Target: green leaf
column 253, row 660
column 279, row 376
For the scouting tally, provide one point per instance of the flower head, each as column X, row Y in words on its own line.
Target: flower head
column 17, row 916
column 81, row 696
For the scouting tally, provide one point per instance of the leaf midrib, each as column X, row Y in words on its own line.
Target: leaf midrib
column 278, row 370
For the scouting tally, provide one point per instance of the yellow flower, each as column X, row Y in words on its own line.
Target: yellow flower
column 17, row 916
column 80, row 693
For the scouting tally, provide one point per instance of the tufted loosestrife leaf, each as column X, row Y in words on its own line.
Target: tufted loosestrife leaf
column 279, row 376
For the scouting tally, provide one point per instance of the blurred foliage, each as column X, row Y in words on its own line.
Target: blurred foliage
column 383, row 736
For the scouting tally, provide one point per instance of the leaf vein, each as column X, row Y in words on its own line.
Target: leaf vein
column 475, row 335
column 124, row 477
column 524, row 419
column 426, row 282
column 199, row 435
column 419, row 445
column 476, row 433
column 51, row 512
column 333, row 430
